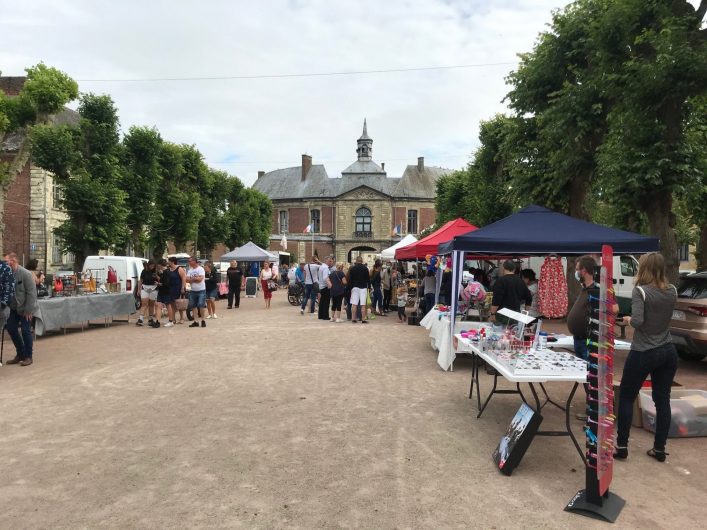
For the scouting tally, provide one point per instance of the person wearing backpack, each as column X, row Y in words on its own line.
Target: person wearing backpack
column 652, row 353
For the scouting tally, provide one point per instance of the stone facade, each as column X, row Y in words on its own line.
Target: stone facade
column 357, row 213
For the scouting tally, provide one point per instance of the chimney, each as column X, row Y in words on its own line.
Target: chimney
column 261, row 173
column 306, row 165
column 383, row 166
column 420, row 163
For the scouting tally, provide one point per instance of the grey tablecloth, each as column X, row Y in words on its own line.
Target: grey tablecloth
column 55, row 313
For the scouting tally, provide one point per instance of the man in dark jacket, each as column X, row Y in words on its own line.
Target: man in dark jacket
column 235, row 283
column 360, row 280
column 510, row 292
column 22, row 307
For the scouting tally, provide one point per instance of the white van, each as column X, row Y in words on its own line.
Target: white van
column 625, row 270
column 128, row 269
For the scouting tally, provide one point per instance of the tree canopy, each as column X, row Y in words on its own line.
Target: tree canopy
column 607, row 122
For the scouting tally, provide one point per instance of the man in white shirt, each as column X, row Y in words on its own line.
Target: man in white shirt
column 197, row 295
column 311, row 284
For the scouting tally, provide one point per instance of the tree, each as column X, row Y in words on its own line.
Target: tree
column 177, row 210
column 480, row 193
column 85, row 164
column 603, row 101
column 141, row 179
column 213, row 226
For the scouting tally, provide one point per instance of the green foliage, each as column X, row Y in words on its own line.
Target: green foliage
column 140, row 179
column 48, row 89
column 85, row 163
column 482, row 192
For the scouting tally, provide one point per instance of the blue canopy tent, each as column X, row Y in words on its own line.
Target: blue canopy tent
column 536, row 231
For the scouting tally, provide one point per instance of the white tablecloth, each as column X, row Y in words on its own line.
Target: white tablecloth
column 441, row 337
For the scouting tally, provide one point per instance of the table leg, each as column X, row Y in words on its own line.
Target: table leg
column 535, row 397
column 493, row 391
column 548, row 399
column 568, row 423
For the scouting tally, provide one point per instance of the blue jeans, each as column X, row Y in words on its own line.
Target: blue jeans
column 309, row 294
column 377, row 299
column 197, row 299
column 429, row 302
column 661, row 363
column 580, row 348
column 16, row 323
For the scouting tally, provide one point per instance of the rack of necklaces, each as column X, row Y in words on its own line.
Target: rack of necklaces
column 596, row 500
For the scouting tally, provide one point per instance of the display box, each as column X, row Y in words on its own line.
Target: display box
column 689, row 413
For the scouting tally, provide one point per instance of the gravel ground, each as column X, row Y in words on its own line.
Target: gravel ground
column 269, row 419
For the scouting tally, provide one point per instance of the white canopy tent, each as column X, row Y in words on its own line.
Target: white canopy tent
column 389, row 253
column 250, row 252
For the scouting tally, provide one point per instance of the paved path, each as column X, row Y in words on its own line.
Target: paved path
column 271, row 419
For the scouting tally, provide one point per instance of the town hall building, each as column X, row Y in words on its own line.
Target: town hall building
column 363, row 211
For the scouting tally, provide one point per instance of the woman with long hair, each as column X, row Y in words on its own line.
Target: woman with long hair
column 266, row 275
column 652, row 353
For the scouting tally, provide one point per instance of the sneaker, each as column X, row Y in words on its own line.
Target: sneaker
column 353, row 321
column 194, row 324
column 203, row 323
column 169, row 325
column 364, row 322
column 215, row 315
column 139, row 322
column 156, row 324
column 339, row 321
column 301, row 311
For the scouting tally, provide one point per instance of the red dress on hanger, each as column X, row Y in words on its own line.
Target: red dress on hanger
column 552, row 288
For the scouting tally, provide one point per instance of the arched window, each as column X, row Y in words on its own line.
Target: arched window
column 364, row 220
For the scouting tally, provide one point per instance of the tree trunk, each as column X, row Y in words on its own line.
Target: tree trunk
column 701, row 253
column 661, row 224
column 579, row 187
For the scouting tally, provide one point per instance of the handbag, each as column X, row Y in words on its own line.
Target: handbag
column 181, row 304
column 272, row 285
column 112, row 275
column 315, row 282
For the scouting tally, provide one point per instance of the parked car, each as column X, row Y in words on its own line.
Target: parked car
column 688, row 326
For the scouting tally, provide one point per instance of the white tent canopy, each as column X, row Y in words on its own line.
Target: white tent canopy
column 250, row 252
column 389, row 253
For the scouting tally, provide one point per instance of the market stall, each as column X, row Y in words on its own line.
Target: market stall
column 252, row 254
column 56, row 313
column 429, row 244
column 389, row 253
column 538, row 231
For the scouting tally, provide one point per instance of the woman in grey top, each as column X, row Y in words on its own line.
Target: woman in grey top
column 652, row 352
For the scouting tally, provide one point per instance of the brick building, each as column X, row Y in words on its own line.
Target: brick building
column 29, row 209
column 356, row 213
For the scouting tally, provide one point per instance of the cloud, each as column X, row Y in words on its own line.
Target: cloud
column 271, row 122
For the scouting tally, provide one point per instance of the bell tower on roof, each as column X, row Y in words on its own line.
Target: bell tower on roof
column 365, row 145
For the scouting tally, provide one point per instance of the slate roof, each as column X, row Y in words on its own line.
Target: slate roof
column 14, row 140
column 283, row 184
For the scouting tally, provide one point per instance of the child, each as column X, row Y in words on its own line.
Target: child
column 402, row 294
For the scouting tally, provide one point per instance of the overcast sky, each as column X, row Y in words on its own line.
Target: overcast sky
column 245, row 125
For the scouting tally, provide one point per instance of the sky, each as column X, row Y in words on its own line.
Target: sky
column 250, row 124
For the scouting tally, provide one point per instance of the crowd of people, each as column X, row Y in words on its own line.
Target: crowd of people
column 360, row 293
column 167, row 289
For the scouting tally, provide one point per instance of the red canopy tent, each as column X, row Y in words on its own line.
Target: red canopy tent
column 428, row 245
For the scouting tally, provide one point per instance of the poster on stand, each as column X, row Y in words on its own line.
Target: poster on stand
column 251, row 287
column 516, row 441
